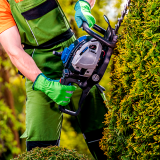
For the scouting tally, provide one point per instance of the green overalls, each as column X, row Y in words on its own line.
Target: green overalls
column 44, row 28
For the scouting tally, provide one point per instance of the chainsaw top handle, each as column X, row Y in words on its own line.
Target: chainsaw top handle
column 96, row 36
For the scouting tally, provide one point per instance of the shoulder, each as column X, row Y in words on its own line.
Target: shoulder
column 4, row 4
column 6, row 19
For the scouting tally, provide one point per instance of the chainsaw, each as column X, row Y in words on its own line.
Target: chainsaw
column 86, row 60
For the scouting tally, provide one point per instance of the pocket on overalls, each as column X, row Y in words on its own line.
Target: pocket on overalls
column 44, row 18
column 26, row 5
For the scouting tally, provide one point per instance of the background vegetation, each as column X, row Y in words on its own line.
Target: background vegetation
column 12, row 91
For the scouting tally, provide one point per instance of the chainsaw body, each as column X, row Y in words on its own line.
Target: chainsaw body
column 86, row 60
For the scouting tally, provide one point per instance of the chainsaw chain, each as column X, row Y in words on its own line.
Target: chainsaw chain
column 123, row 13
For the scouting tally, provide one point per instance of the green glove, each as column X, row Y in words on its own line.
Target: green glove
column 83, row 13
column 59, row 93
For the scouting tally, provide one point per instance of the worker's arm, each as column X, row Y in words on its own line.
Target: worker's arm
column 83, row 12
column 91, row 2
column 11, row 42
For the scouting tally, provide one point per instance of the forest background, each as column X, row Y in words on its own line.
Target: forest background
column 13, row 97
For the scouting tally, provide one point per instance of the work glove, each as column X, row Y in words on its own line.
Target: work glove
column 83, row 13
column 59, row 93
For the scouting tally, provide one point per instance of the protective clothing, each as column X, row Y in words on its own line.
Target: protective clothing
column 34, row 16
column 83, row 13
column 43, row 118
column 59, row 93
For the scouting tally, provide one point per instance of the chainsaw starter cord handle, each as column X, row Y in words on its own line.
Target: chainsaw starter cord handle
column 98, row 37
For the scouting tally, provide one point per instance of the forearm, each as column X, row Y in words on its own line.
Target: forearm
column 91, row 2
column 11, row 42
column 24, row 63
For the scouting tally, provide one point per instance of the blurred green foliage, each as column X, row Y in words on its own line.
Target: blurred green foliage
column 133, row 121
column 9, row 123
column 6, row 135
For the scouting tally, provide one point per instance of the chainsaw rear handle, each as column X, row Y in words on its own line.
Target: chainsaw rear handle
column 83, row 96
column 72, row 113
column 96, row 36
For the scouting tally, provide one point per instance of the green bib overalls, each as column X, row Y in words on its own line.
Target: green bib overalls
column 43, row 28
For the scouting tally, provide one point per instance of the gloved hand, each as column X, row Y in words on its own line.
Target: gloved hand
column 83, row 13
column 59, row 93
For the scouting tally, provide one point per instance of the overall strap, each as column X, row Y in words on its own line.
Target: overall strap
column 40, row 22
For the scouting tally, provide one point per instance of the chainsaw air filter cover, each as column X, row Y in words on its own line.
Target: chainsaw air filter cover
column 87, row 57
column 83, row 56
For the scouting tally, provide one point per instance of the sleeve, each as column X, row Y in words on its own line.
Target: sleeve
column 6, row 18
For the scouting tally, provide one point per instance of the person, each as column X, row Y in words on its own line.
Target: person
column 42, row 27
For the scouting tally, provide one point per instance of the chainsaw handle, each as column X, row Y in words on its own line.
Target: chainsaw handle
column 99, row 29
column 83, row 96
column 72, row 113
column 62, row 108
column 96, row 36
